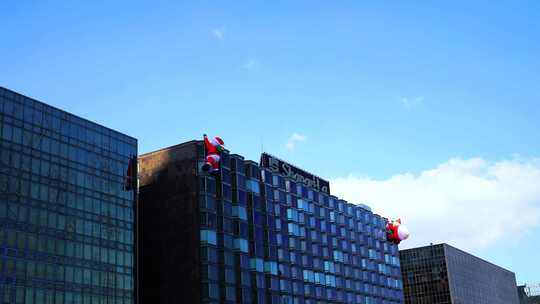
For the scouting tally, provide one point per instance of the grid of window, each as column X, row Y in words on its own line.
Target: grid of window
column 444, row 274
column 66, row 223
column 425, row 277
column 473, row 280
column 266, row 239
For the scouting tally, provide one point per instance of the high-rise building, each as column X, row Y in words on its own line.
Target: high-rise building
column 265, row 232
column 529, row 294
column 66, row 218
column 443, row 274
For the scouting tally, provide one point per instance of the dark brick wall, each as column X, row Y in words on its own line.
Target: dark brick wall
column 168, row 219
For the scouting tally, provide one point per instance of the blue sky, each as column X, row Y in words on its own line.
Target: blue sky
column 372, row 90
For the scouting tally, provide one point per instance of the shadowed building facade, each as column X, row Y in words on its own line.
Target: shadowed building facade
column 529, row 294
column 446, row 275
column 66, row 220
column 263, row 232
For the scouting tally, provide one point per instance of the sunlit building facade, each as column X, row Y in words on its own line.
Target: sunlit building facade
column 264, row 232
column 66, row 218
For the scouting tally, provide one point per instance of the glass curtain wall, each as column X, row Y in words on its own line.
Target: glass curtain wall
column 66, row 220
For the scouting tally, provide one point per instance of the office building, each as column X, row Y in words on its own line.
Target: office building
column 66, row 218
column 529, row 294
column 444, row 274
column 265, row 232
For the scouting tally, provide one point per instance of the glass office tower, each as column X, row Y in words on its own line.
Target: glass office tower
column 444, row 274
column 258, row 233
column 66, row 220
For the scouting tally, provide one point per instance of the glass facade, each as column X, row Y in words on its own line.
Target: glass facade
column 444, row 274
column 66, row 222
column 266, row 239
column 473, row 280
column 425, row 276
column 529, row 294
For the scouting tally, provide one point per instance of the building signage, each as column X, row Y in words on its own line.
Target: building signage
column 276, row 165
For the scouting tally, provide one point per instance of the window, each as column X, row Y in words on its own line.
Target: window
column 230, row 293
column 309, row 276
column 292, row 215
column 230, row 276
column 210, row 290
column 242, row 245
column 208, row 236
column 208, row 202
column 257, row 264
column 208, row 219
column 209, row 272
column 228, row 258
column 240, row 212
column 285, row 285
column 275, row 180
column 6, row 132
column 271, row 267
column 208, row 254
column 329, row 266
column 338, row 256
column 293, row 229
column 253, row 186
column 245, row 278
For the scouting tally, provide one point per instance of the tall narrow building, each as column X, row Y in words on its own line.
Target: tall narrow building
column 66, row 212
column 265, row 232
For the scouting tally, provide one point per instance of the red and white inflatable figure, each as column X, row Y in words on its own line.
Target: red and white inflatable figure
column 396, row 232
column 213, row 148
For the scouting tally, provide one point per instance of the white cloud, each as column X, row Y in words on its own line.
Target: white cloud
column 293, row 140
column 411, row 102
column 250, row 64
column 470, row 203
column 218, row 33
